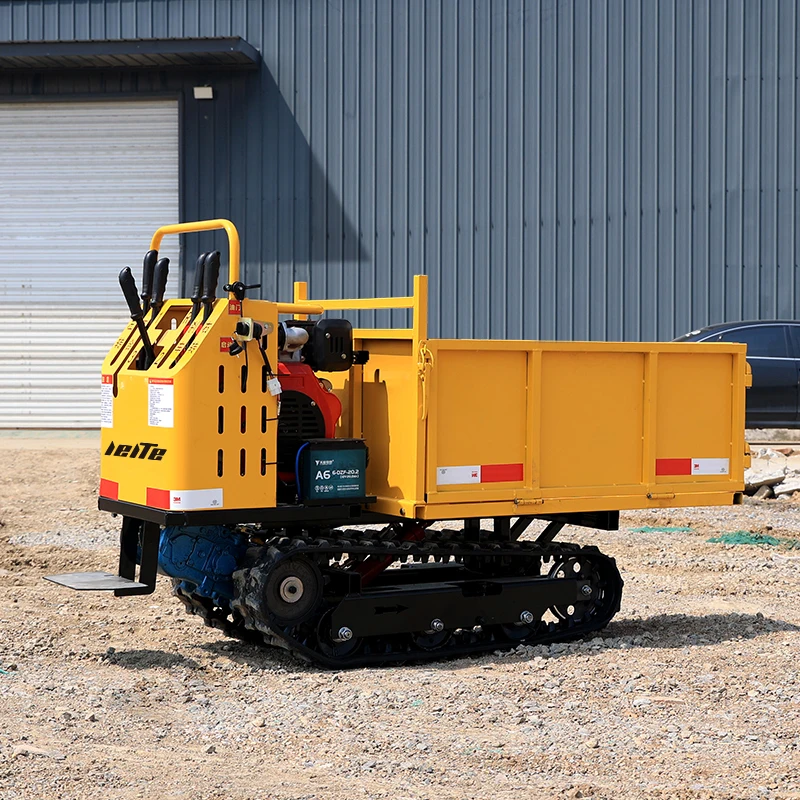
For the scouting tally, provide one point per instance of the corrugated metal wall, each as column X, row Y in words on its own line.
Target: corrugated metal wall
column 622, row 170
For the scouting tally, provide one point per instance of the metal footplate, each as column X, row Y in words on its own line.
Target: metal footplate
column 138, row 545
column 94, row 581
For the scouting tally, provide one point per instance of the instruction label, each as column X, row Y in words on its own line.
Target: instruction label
column 160, row 403
column 107, row 402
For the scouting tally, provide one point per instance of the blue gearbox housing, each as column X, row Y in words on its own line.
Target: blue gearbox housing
column 205, row 556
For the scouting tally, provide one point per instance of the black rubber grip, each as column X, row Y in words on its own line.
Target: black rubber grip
column 197, row 288
column 160, row 281
column 211, row 277
column 128, row 284
column 148, row 266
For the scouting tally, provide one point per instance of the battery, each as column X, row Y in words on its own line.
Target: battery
column 333, row 471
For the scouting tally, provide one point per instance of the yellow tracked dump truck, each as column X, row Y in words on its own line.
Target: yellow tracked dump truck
column 358, row 496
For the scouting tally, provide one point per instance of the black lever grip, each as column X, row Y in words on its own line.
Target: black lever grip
column 128, row 284
column 160, row 281
column 238, row 288
column 148, row 266
column 211, row 277
column 197, row 286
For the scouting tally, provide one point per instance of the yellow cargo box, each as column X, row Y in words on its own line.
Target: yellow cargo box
column 478, row 428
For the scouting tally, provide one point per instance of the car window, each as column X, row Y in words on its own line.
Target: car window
column 765, row 340
column 794, row 340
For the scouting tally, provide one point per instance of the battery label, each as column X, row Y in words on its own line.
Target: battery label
column 107, row 402
column 160, row 403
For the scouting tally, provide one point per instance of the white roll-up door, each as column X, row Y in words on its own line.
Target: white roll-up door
column 83, row 185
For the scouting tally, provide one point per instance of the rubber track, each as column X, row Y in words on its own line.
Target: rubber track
column 250, row 616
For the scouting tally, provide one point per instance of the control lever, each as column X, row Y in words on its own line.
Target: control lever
column 210, row 280
column 148, row 266
column 238, row 288
column 159, row 285
column 197, row 288
column 128, row 285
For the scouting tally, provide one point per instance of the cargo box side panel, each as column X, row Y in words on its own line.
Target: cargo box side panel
column 696, row 441
column 478, row 423
column 592, row 416
column 391, row 424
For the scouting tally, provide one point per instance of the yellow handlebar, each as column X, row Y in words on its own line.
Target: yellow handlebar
column 206, row 225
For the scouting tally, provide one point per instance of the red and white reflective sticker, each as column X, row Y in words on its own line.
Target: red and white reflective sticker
column 185, row 500
column 692, row 466
column 479, row 473
column 109, row 489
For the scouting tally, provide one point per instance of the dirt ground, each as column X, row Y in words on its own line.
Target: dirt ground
column 692, row 692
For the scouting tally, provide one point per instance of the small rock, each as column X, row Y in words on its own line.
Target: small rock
column 764, row 492
column 30, row 750
column 211, row 749
column 789, row 486
column 592, row 744
column 91, row 717
column 754, row 479
column 257, row 722
column 641, row 701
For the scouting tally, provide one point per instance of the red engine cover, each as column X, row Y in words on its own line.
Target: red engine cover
column 297, row 377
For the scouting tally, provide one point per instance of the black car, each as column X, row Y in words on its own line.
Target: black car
column 773, row 352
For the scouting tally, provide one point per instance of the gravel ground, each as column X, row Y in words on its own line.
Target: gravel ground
column 692, row 692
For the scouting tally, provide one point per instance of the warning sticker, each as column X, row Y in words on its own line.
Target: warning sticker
column 235, row 307
column 160, row 403
column 446, row 476
column 184, row 500
column 692, row 466
column 107, row 402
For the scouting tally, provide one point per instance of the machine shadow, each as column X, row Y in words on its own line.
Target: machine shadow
column 663, row 631
column 149, row 659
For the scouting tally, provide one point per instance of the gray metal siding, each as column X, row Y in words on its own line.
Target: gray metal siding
column 573, row 170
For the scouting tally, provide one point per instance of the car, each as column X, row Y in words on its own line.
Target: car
column 773, row 352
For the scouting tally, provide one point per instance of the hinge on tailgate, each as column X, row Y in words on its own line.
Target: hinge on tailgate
column 424, row 363
column 661, row 495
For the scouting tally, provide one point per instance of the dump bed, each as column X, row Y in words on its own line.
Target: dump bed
column 480, row 428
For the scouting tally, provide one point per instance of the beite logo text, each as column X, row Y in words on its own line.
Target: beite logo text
column 149, row 450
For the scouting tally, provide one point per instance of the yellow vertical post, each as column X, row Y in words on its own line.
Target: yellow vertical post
column 419, row 328
column 649, row 420
column 300, row 294
column 533, row 427
column 420, row 323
